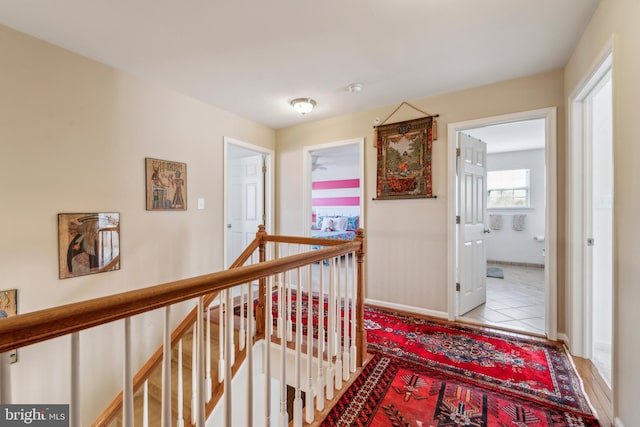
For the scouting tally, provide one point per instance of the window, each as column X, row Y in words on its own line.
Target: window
column 508, row 189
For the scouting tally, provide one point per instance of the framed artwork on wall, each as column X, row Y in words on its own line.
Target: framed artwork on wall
column 166, row 183
column 404, row 160
column 8, row 308
column 88, row 243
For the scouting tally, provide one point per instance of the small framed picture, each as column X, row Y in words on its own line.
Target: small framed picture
column 166, row 183
column 8, row 308
column 88, row 243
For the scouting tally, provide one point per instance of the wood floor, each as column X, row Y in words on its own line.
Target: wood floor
column 596, row 389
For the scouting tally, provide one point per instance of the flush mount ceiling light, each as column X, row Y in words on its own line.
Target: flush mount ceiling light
column 303, row 105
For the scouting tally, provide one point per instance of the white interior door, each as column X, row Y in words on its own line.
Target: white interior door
column 472, row 252
column 245, row 203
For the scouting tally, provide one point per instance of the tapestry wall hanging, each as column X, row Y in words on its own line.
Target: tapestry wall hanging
column 88, row 243
column 166, row 183
column 404, row 160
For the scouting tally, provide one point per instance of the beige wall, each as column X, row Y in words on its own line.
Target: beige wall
column 73, row 138
column 619, row 18
column 407, row 239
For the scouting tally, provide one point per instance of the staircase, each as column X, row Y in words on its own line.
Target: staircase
column 154, row 382
column 270, row 265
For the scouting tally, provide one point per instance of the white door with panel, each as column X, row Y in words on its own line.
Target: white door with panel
column 472, row 251
column 245, row 203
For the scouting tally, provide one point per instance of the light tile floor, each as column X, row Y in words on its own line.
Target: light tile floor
column 515, row 302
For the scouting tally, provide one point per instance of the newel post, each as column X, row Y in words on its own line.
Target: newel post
column 260, row 322
column 361, row 334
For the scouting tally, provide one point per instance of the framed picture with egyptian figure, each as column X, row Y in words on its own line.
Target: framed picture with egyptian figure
column 166, row 183
column 88, row 243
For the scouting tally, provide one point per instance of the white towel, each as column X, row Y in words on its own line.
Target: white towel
column 495, row 221
column 519, row 222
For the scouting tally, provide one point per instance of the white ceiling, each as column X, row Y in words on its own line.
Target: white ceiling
column 252, row 57
column 515, row 136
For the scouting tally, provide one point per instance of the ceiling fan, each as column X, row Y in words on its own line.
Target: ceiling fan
column 315, row 165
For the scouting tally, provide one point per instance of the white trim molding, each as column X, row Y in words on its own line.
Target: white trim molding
column 576, row 298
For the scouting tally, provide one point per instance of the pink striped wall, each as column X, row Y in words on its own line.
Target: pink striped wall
column 335, row 184
column 336, row 201
column 338, row 192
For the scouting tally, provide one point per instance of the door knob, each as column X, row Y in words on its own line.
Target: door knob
column 486, row 231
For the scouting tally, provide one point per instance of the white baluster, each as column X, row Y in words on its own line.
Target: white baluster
column 267, row 356
column 284, row 415
column 287, row 280
column 242, row 332
column 331, row 331
column 297, row 401
column 145, row 404
column 338, row 333
column 310, row 391
column 180, row 387
column 209, row 383
column 249, row 405
column 280, row 323
column 320, row 340
column 74, row 406
column 127, row 389
column 221, row 337
column 228, row 355
column 345, row 322
column 354, row 299
column 229, row 333
column 200, row 394
column 194, row 378
column 165, row 416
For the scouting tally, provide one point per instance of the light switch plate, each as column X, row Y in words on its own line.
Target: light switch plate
column 200, row 203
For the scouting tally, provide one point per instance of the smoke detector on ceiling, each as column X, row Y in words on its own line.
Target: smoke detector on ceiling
column 355, row 87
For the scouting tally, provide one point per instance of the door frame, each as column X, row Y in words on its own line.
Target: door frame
column 550, row 116
column 269, row 155
column 306, row 173
column 578, row 296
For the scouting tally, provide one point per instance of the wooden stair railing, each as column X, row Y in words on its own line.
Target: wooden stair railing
column 183, row 330
column 31, row 328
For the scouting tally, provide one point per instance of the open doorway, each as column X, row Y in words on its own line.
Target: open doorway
column 514, row 226
column 505, row 202
column 247, row 195
column 335, row 188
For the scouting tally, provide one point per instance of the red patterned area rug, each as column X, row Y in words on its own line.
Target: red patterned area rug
column 533, row 369
column 398, row 393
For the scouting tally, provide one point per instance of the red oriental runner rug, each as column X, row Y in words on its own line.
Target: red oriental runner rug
column 533, row 369
column 504, row 368
column 399, row 393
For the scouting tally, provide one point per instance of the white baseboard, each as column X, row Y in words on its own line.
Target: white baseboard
column 617, row 422
column 408, row 308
